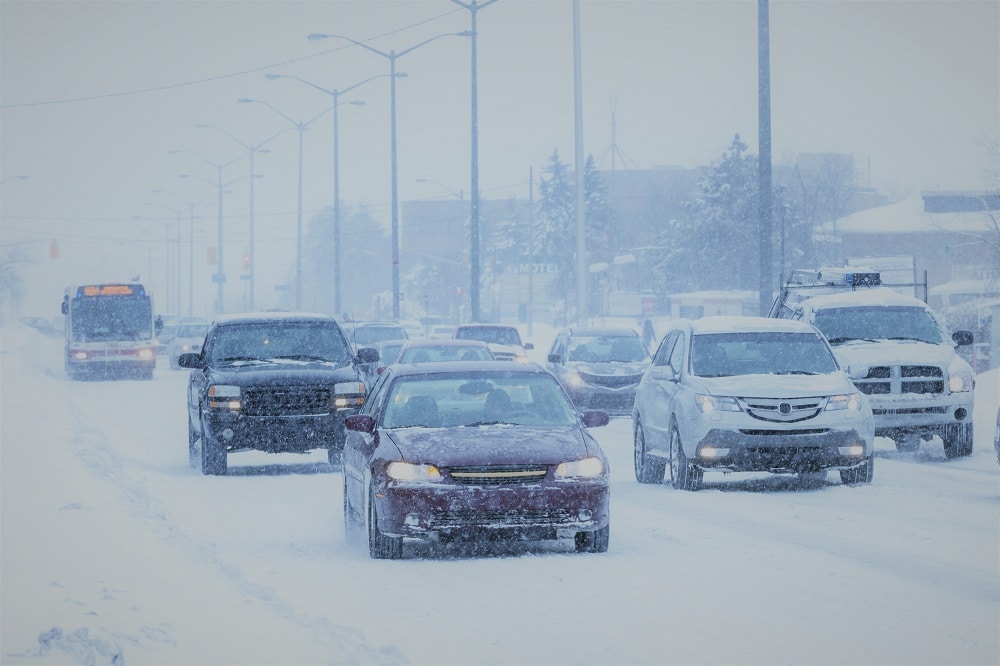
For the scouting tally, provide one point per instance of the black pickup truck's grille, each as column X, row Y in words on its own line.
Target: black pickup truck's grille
column 898, row 379
column 287, row 401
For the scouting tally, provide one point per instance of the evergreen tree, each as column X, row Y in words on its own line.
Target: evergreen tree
column 714, row 244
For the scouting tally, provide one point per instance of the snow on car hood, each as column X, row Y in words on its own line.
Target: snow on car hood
column 893, row 352
column 777, row 386
column 492, row 445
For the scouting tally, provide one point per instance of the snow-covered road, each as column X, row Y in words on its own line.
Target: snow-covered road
column 113, row 548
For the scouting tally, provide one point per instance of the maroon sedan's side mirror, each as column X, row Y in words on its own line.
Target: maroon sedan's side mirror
column 594, row 418
column 360, row 423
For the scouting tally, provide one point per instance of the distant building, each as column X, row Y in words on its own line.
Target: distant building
column 951, row 235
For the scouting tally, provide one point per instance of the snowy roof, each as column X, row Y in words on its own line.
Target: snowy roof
column 908, row 216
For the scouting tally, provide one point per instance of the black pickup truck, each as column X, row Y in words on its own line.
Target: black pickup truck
column 274, row 382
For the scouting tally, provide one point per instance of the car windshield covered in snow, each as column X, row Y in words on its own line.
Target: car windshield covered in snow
column 464, row 399
column 271, row 341
column 878, row 322
column 728, row 354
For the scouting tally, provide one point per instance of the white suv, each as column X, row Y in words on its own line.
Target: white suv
column 906, row 362
column 749, row 394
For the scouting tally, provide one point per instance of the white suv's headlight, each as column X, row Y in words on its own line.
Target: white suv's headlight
column 960, row 376
column 849, row 401
column 710, row 403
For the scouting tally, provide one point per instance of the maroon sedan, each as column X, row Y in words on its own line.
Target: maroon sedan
column 473, row 450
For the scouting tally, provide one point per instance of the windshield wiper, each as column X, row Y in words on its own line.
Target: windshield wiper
column 835, row 341
column 796, row 372
column 237, row 359
column 303, row 357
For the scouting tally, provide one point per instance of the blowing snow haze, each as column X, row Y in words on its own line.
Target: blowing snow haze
column 104, row 104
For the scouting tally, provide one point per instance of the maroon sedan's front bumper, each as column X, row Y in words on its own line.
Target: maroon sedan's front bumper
column 547, row 510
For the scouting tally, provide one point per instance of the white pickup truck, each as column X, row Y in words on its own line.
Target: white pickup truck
column 898, row 349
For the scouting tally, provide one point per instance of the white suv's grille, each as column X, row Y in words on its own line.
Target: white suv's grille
column 782, row 410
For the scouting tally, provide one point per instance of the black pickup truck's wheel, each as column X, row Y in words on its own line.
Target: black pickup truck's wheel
column 213, row 456
column 192, row 445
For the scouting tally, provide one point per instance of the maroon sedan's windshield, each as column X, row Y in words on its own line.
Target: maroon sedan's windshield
column 466, row 399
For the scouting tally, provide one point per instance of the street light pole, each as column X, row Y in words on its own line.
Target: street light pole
column 335, row 93
column 301, row 127
column 391, row 56
column 474, row 8
column 252, row 150
column 220, row 277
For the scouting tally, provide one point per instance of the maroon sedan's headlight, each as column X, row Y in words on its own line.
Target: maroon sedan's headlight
column 587, row 468
column 404, row 471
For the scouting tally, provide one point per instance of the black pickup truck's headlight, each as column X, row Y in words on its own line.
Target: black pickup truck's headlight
column 224, row 396
column 348, row 395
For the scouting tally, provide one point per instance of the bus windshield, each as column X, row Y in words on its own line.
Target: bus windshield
column 102, row 318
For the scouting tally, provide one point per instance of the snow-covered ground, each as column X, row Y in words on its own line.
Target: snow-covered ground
column 114, row 551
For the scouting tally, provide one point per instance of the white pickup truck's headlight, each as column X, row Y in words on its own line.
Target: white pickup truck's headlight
column 960, row 376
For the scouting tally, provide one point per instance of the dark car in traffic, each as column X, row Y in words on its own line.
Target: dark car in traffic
column 600, row 368
column 473, row 451
column 274, row 382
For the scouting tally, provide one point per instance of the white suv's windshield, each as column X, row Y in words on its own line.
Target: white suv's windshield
column 728, row 354
column 882, row 322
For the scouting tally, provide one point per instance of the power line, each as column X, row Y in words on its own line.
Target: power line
column 220, row 77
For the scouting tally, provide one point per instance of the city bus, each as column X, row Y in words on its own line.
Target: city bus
column 110, row 331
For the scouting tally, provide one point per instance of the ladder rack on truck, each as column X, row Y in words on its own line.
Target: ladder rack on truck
column 803, row 283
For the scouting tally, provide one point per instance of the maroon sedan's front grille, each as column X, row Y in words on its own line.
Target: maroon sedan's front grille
column 498, row 475
column 518, row 518
column 286, row 401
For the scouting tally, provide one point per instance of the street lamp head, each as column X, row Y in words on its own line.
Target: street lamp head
column 202, row 125
column 245, row 100
column 317, row 35
column 357, row 102
column 273, row 76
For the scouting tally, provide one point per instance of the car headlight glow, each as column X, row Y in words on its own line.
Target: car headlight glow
column 576, row 469
column 348, row 394
column 224, row 396
column 404, row 471
column 710, row 403
column 574, row 380
column 849, row 401
column 960, row 376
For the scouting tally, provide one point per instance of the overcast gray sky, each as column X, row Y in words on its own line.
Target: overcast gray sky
column 94, row 95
